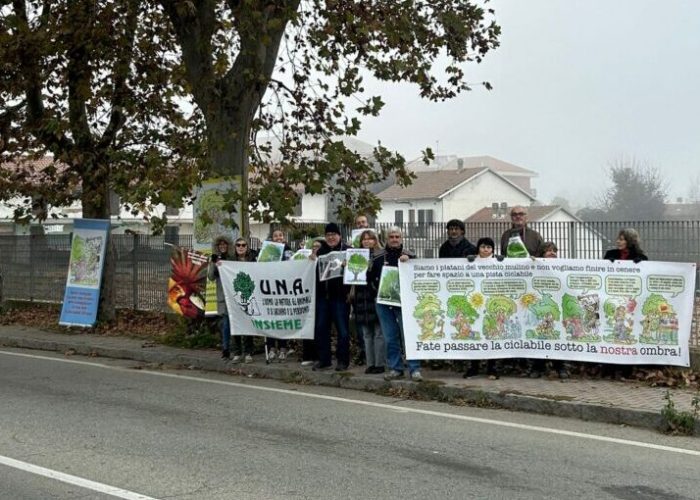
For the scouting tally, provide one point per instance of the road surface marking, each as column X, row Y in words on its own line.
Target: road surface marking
column 403, row 409
column 74, row 480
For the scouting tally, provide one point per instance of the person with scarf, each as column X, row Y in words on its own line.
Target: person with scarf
column 456, row 245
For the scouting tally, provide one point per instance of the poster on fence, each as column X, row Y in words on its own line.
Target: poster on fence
column 87, row 256
column 270, row 300
column 585, row 310
column 187, row 282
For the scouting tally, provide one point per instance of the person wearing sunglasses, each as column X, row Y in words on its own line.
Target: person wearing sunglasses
column 532, row 239
column 243, row 344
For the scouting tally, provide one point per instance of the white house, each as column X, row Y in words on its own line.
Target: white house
column 441, row 195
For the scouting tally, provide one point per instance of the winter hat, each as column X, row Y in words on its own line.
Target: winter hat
column 455, row 223
column 485, row 241
column 332, row 228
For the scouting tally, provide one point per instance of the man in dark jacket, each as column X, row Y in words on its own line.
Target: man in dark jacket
column 332, row 307
column 390, row 316
column 456, row 245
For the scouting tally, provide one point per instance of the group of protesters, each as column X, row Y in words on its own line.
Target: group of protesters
column 378, row 327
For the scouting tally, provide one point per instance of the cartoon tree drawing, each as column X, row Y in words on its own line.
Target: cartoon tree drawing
column 464, row 315
column 572, row 317
column 270, row 253
column 244, row 286
column 390, row 289
column 660, row 323
column 547, row 312
column 357, row 263
column 498, row 310
column 430, row 316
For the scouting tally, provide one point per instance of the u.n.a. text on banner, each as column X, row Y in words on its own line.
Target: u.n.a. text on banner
column 586, row 310
column 273, row 299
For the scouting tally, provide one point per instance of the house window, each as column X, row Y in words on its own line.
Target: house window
column 425, row 216
column 412, row 216
column 398, row 217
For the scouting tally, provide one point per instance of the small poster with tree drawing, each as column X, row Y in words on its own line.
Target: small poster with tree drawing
column 356, row 266
column 271, row 252
column 330, row 265
column 389, row 292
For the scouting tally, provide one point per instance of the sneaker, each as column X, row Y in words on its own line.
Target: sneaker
column 393, row 375
column 341, row 367
column 226, row 354
column 290, row 352
column 282, row 356
column 237, row 359
column 248, row 358
column 307, row 363
column 271, row 354
column 416, row 376
column 318, row 367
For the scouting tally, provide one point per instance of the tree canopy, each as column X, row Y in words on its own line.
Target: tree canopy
column 638, row 192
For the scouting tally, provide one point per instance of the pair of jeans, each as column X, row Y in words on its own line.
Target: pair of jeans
column 392, row 328
column 225, row 327
column 332, row 311
column 375, row 351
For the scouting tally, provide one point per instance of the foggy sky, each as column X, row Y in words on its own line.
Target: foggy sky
column 577, row 84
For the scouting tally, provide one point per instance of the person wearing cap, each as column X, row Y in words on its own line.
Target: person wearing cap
column 220, row 252
column 332, row 307
column 532, row 240
column 456, row 245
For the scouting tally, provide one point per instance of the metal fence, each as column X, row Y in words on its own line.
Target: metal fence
column 34, row 267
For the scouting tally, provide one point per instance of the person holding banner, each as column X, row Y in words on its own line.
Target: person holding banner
column 278, row 348
column 485, row 248
column 332, row 308
column 220, row 253
column 538, row 366
column 365, row 313
column 456, row 245
column 628, row 247
column 243, row 344
column 390, row 316
column 529, row 237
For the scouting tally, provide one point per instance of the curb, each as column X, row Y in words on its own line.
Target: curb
column 427, row 390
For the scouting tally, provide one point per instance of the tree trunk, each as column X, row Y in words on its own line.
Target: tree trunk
column 96, row 205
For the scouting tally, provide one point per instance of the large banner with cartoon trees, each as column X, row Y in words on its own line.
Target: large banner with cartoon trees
column 273, row 300
column 586, row 310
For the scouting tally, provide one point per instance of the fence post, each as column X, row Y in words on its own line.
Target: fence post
column 572, row 240
column 135, row 272
column 32, row 267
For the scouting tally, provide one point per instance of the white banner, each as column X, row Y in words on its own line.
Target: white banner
column 585, row 310
column 273, row 300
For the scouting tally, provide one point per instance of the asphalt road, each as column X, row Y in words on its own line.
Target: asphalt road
column 111, row 428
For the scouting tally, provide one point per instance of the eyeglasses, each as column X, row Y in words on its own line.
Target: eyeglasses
column 241, row 245
column 518, row 214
